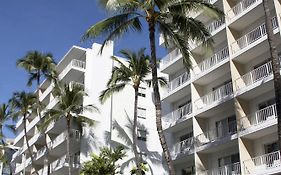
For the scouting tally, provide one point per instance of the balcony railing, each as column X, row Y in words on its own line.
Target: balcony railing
column 183, row 147
column 63, row 161
column 252, row 36
column 240, row 7
column 259, row 117
column 254, row 76
column 214, row 96
column 212, row 61
column 212, row 27
column 262, row 163
column 231, row 169
column 178, row 114
column 179, row 81
column 40, row 152
column 75, row 134
column 218, row 133
column 171, row 56
column 74, row 63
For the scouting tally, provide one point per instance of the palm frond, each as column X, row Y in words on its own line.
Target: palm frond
column 105, row 94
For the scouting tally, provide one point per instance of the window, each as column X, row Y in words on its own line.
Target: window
column 188, row 171
column 272, row 147
column 142, row 91
column 266, row 103
column 226, row 126
column 141, row 112
column 142, row 134
column 186, row 142
column 234, row 158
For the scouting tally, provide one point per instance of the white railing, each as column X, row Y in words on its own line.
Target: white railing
column 171, row 56
column 43, row 171
column 217, row 133
column 240, row 7
column 179, row 81
column 263, row 162
column 60, row 138
column 259, row 117
column 210, row 1
column 255, row 75
column 183, row 147
column 252, row 36
column 78, row 63
column 178, row 114
column 212, row 61
column 40, row 152
column 63, row 161
column 212, row 27
column 214, row 96
column 230, row 169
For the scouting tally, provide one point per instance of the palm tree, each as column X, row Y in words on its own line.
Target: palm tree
column 134, row 73
column 275, row 65
column 5, row 115
column 171, row 18
column 70, row 107
column 23, row 104
column 37, row 65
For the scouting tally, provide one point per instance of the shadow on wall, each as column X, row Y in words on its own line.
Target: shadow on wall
column 150, row 157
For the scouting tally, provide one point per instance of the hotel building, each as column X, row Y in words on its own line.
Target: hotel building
column 220, row 115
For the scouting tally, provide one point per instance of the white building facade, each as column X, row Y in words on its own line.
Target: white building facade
column 220, row 116
column 92, row 70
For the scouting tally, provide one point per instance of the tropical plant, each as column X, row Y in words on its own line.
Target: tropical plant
column 70, row 107
column 5, row 115
column 39, row 65
column 104, row 163
column 134, row 73
column 22, row 104
column 171, row 18
column 275, row 65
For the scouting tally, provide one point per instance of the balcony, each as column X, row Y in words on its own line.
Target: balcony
column 41, row 152
column 215, row 97
column 61, row 165
column 252, row 37
column 74, row 64
column 177, row 116
column 264, row 164
column 231, row 169
column 239, row 8
column 183, row 147
column 43, row 171
column 171, row 62
column 211, row 63
column 217, row 134
column 259, row 120
column 216, row 25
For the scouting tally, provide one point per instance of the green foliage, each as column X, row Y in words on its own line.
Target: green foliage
column 170, row 17
column 104, row 163
column 37, row 64
column 143, row 169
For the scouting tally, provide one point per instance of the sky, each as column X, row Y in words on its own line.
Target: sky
column 48, row 26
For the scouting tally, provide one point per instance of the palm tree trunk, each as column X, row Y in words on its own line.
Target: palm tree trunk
column 275, row 66
column 28, row 146
column 68, row 145
column 41, row 120
column 135, row 149
column 6, row 157
column 157, row 101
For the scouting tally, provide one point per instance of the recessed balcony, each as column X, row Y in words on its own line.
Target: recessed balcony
column 252, row 39
column 265, row 164
column 176, row 87
column 210, row 64
column 183, row 148
column 261, row 119
column 74, row 69
column 241, row 8
column 214, row 97
column 230, row 169
column 219, row 134
column 61, row 165
column 181, row 114
column 216, row 26
column 172, row 62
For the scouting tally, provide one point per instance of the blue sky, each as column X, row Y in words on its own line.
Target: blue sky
column 47, row 26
